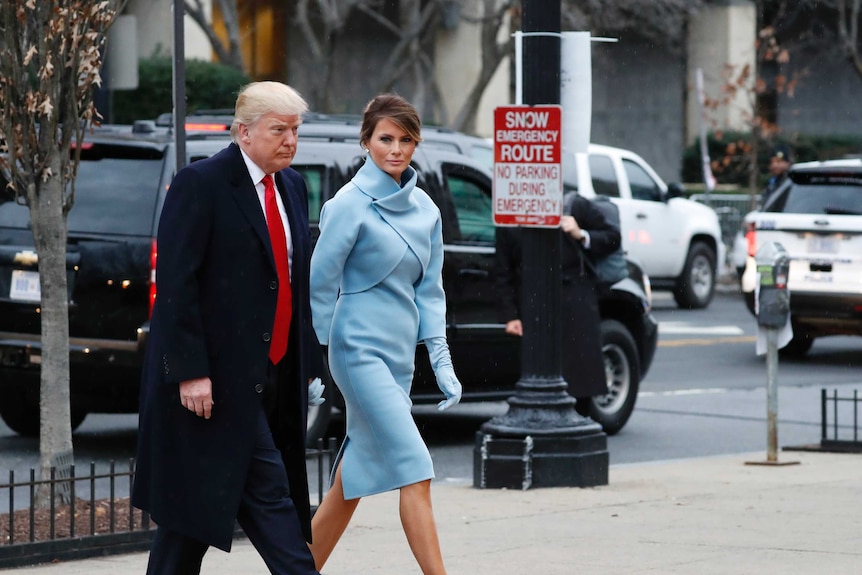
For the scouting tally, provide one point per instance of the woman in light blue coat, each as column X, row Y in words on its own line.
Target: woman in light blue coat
column 377, row 291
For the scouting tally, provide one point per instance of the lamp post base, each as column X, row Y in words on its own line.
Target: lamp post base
column 540, row 444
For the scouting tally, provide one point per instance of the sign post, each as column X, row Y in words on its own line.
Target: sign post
column 540, row 441
column 528, row 183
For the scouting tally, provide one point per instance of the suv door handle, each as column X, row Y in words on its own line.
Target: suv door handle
column 472, row 273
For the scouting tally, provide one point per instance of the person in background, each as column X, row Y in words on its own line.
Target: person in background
column 584, row 229
column 231, row 351
column 377, row 290
column 779, row 163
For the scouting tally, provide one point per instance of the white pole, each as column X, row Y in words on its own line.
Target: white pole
column 519, row 68
column 708, row 178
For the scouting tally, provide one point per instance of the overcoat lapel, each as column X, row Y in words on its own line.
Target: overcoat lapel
column 246, row 196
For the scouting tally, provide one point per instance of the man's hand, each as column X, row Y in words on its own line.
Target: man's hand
column 570, row 225
column 514, row 327
column 196, row 395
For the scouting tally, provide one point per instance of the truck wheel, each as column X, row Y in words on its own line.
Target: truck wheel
column 696, row 284
column 22, row 416
column 622, row 372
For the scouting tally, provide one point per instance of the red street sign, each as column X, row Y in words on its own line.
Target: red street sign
column 528, row 180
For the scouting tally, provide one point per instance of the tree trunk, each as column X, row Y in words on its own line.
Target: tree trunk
column 49, row 232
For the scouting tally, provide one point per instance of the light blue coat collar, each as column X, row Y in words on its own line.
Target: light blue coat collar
column 381, row 188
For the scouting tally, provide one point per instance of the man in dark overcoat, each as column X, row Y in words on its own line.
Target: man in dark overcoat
column 584, row 229
column 231, row 350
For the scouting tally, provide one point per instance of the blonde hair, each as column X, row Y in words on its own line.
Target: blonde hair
column 259, row 98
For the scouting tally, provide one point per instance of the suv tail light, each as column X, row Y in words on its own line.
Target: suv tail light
column 152, row 296
column 750, row 239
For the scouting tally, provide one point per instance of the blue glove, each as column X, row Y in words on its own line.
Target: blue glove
column 441, row 363
column 315, row 392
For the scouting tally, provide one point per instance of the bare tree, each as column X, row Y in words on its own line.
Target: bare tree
column 495, row 44
column 228, row 51
column 849, row 12
column 662, row 22
column 322, row 23
column 49, row 63
column 767, row 77
column 320, row 29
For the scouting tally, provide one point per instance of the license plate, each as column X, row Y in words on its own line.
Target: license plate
column 824, row 244
column 25, row 286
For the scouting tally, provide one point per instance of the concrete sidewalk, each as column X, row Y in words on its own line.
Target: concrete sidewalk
column 695, row 516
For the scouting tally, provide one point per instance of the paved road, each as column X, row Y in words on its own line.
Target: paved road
column 705, row 395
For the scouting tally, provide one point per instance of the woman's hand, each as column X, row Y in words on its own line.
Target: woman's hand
column 315, row 392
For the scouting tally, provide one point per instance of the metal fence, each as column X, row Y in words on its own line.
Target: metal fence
column 843, row 436
column 86, row 524
column 731, row 209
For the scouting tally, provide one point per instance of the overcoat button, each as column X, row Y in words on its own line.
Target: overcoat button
column 266, row 336
column 259, row 388
column 273, row 284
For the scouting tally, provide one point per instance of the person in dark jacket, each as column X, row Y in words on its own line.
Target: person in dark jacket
column 584, row 229
column 231, row 350
column 779, row 164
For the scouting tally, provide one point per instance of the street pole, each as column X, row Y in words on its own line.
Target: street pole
column 541, row 441
column 179, row 81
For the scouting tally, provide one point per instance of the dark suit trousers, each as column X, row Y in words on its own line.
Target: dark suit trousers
column 266, row 514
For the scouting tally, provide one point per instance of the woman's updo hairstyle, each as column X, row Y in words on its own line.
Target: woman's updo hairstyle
column 396, row 109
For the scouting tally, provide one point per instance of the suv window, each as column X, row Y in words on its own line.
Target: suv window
column 603, row 176
column 473, row 208
column 313, row 176
column 642, row 185
column 820, row 199
column 115, row 193
column 484, row 155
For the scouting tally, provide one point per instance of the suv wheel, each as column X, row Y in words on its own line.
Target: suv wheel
column 696, row 284
column 622, row 369
column 22, row 416
column 799, row 345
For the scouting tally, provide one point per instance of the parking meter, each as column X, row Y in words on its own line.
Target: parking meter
column 773, row 299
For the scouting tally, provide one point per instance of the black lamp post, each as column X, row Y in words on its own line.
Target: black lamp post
column 541, row 441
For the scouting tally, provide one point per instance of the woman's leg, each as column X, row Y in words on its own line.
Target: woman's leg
column 330, row 520
column 417, row 518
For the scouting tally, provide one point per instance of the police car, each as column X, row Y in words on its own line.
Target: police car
column 816, row 215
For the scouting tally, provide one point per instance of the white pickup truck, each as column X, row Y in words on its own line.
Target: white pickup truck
column 676, row 240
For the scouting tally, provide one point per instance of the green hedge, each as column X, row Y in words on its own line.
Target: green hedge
column 728, row 153
column 209, row 85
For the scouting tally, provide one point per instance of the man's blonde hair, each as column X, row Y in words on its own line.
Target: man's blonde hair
column 259, row 98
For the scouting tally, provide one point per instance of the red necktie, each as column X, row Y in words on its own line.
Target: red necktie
column 281, row 325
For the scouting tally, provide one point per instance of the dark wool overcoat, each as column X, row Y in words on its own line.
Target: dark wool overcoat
column 582, row 360
column 217, row 288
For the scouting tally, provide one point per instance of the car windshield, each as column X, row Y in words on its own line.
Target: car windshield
column 115, row 193
column 820, row 198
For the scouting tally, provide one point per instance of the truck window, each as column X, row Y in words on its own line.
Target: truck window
column 603, row 176
column 642, row 185
column 473, row 208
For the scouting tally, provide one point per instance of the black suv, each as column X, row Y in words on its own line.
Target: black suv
column 124, row 174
